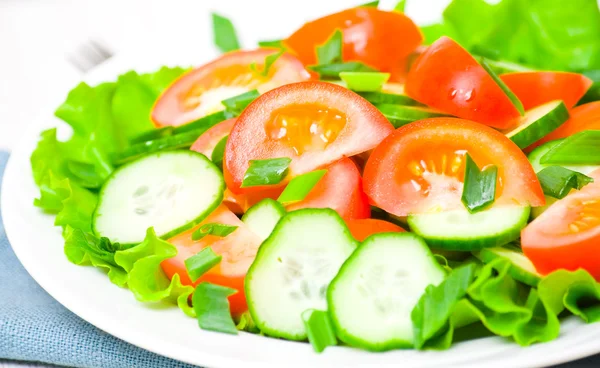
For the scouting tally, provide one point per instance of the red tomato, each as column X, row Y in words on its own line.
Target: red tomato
column 567, row 234
column 363, row 228
column 200, row 91
column 206, row 143
column 537, row 88
column 583, row 117
column 238, row 250
column 313, row 123
column 340, row 189
column 420, row 167
column 378, row 38
column 446, row 77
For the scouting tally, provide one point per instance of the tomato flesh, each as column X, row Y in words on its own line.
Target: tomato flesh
column 313, row 123
column 363, row 228
column 446, row 77
column 420, row 167
column 238, row 250
column 375, row 37
column 200, row 91
column 340, row 189
column 206, row 143
column 567, row 234
column 536, row 88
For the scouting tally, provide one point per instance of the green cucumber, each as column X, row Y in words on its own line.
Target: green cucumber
column 204, row 123
column 170, row 191
column 173, row 142
column 521, row 268
column 263, row 216
column 537, row 123
column 400, row 115
column 372, row 297
column 463, row 231
column 293, row 269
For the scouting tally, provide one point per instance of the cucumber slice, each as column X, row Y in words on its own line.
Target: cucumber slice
column 293, row 269
column 464, row 231
column 263, row 216
column 537, row 123
column 521, row 268
column 171, row 191
column 173, row 142
column 401, row 115
column 372, row 297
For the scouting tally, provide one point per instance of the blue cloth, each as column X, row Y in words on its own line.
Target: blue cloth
column 35, row 327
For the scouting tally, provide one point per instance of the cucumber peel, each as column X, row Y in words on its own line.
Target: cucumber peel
column 521, row 268
column 537, row 123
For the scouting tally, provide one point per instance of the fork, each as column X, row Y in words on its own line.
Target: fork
column 88, row 55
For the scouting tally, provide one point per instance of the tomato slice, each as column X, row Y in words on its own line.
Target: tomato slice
column 313, row 123
column 206, row 143
column 238, row 250
column 567, row 234
column 363, row 228
column 378, row 38
column 200, row 91
column 446, row 77
column 340, row 189
column 537, row 88
column 583, row 117
column 420, row 167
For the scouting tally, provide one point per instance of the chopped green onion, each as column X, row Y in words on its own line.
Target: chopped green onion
column 364, row 81
column 558, row 181
column 198, row 264
column 236, row 104
column 224, row 34
column 299, row 187
column 511, row 96
column 212, row 308
column 266, row 172
column 372, row 4
column 400, row 6
column 479, row 188
column 269, row 61
column 246, row 323
column 400, row 115
column 582, row 148
column 217, row 154
column 387, row 98
column 177, row 141
column 334, row 70
column 331, row 51
column 152, row 134
column 319, row 329
column 272, row 43
column 213, row 229
column 204, row 123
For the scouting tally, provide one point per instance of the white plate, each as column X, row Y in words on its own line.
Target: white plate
column 165, row 330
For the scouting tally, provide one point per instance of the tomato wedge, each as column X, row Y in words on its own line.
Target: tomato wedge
column 536, row 88
column 200, row 91
column 340, row 189
column 363, row 228
column 567, row 234
column 583, row 117
column 206, row 143
column 446, row 77
column 238, row 250
column 313, row 123
column 420, row 167
column 378, row 38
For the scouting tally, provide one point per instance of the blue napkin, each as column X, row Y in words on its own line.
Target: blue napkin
column 35, row 327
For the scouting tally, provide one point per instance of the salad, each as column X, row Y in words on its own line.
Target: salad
column 364, row 181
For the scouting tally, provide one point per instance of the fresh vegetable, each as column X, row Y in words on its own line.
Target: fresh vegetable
column 537, row 123
column 363, row 228
column 270, row 171
column 206, row 143
column 364, row 82
column 566, row 234
column 293, row 269
column 263, row 216
column 225, row 37
column 319, row 329
column 537, row 88
column 420, row 167
column 521, row 268
column 581, row 148
column 300, row 186
column 200, row 91
column 170, row 191
column 371, row 298
column 375, row 37
column 446, row 77
column 536, row 155
column 400, row 115
column 212, row 308
column 281, row 123
column 479, row 186
column 558, row 181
